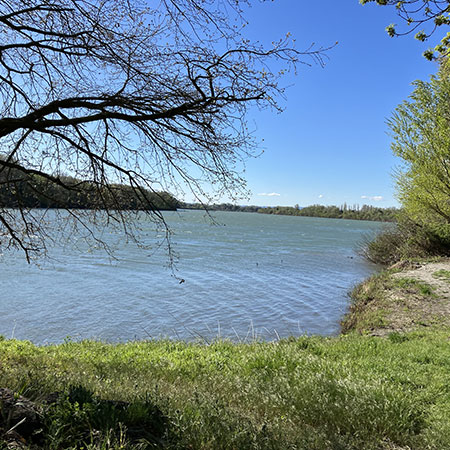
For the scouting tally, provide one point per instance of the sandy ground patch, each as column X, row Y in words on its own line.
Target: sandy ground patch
column 409, row 308
column 432, row 274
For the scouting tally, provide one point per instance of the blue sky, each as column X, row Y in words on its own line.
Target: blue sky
column 331, row 144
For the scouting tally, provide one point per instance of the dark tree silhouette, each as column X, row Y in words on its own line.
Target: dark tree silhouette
column 152, row 95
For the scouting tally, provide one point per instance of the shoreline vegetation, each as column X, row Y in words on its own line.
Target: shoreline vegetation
column 35, row 191
column 381, row 384
column 355, row 212
column 19, row 190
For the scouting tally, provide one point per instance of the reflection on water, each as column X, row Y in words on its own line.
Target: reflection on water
column 249, row 275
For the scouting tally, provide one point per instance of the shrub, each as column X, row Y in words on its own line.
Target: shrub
column 409, row 240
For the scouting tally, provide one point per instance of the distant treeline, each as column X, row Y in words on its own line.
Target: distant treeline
column 365, row 212
column 220, row 207
column 22, row 190
column 19, row 189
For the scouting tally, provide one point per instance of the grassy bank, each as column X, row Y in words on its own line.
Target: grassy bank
column 383, row 384
column 352, row 391
column 406, row 297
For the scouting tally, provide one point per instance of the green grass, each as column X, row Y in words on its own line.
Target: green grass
column 442, row 274
column 414, row 286
column 349, row 392
column 370, row 304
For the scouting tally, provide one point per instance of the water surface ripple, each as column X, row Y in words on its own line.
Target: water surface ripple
column 248, row 275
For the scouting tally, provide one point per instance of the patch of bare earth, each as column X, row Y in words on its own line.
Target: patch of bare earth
column 408, row 307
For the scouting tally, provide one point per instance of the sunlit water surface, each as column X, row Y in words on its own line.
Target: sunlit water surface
column 249, row 275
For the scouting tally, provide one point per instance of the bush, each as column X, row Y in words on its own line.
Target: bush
column 385, row 248
column 409, row 240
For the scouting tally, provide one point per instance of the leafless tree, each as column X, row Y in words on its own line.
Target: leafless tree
column 152, row 94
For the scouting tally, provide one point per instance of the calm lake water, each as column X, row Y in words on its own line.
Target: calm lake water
column 250, row 275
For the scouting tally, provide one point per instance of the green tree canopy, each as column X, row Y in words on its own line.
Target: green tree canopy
column 421, row 132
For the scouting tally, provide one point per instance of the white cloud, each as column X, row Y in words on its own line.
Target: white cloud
column 321, row 196
column 272, row 194
column 375, row 198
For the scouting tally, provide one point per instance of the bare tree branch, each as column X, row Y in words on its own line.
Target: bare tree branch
column 126, row 92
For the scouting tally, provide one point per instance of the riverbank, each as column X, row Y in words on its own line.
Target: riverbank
column 382, row 385
column 406, row 297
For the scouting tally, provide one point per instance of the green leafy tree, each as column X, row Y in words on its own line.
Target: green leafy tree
column 421, row 138
column 422, row 18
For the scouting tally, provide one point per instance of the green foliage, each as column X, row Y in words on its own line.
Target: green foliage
column 412, row 285
column 362, row 315
column 18, row 190
column 421, row 36
column 219, row 207
column 398, row 337
column 366, row 212
column 390, row 29
column 420, row 13
column 386, row 248
column 407, row 240
column 79, row 417
column 421, row 135
column 442, row 274
column 421, row 138
column 351, row 392
column 387, row 303
column 356, row 212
